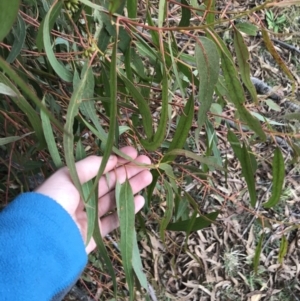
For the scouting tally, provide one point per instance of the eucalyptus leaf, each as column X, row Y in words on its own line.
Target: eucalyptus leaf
column 8, row 14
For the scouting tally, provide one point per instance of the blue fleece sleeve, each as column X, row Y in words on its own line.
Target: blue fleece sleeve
column 42, row 253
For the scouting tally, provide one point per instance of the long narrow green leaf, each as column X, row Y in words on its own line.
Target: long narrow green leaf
column 174, row 65
column 113, row 112
column 88, row 109
column 8, row 15
column 107, row 153
column 102, row 253
column 161, row 12
column 19, row 39
column 207, row 61
column 161, row 129
column 132, row 6
column 125, row 208
column 278, row 179
column 198, row 224
column 91, row 202
column 257, row 253
column 235, row 144
column 26, row 90
column 11, row 139
column 233, row 87
column 68, row 137
column 211, row 161
column 26, row 108
column 137, row 264
column 86, row 189
column 249, row 174
column 233, row 84
column 242, row 55
column 60, row 69
column 144, row 109
column 210, row 16
column 272, row 50
column 50, row 140
column 185, row 15
column 93, row 5
column 52, row 20
column 182, row 130
column 237, row 97
column 103, row 138
column 282, row 249
column 168, row 212
column 251, row 121
column 248, row 28
column 114, row 6
column 127, row 62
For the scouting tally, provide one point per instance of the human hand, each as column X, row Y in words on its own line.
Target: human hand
column 61, row 189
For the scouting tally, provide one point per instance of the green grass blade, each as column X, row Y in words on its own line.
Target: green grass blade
column 278, row 179
column 50, row 140
column 60, row 69
column 125, row 208
column 243, row 58
column 8, row 14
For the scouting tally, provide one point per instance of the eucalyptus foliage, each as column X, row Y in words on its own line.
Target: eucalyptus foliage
column 76, row 66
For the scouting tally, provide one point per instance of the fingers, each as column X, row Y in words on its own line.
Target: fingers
column 120, row 174
column 130, row 152
column 137, row 183
column 88, row 168
column 111, row 222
